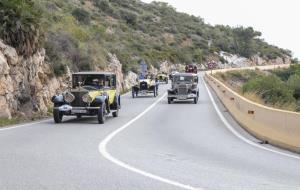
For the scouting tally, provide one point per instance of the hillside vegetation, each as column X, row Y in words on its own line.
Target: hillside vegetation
column 279, row 88
column 80, row 33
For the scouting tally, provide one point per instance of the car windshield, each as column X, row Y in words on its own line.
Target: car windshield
column 183, row 78
column 90, row 82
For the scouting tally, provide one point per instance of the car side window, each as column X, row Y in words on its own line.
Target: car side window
column 108, row 81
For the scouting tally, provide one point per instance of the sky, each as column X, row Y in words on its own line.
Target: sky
column 278, row 20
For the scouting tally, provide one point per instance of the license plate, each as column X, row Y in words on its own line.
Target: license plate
column 78, row 111
column 182, row 97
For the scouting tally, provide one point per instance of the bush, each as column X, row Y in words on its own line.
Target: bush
column 82, row 15
column 294, row 85
column 20, row 25
column 271, row 89
column 129, row 17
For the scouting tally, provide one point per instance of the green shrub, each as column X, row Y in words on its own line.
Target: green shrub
column 294, row 85
column 270, row 88
column 82, row 15
column 129, row 17
column 20, row 25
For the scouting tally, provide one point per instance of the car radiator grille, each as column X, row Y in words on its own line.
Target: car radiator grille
column 182, row 90
column 78, row 99
column 143, row 86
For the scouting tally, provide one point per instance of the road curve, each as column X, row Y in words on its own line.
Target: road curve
column 184, row 143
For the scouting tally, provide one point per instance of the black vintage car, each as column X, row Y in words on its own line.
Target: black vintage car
column 91, row 93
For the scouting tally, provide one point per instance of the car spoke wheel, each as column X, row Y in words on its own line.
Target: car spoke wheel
column 57, row 116
column 102, row 114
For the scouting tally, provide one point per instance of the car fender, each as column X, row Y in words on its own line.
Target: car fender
column 100, row 99
column 57, row 99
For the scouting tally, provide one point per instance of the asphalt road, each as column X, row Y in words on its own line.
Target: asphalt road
column 177, row 146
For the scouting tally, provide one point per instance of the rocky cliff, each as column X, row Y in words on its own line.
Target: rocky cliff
column 239, row 61
column 27, row 84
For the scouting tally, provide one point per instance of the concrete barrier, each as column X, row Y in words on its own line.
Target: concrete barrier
column 278, row 127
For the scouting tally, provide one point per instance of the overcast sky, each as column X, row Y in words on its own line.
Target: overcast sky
column 278, row 20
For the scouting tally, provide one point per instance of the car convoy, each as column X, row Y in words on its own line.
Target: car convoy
column 95, row 93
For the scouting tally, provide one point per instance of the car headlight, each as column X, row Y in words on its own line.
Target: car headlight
column 69, row 97
column 87, row 98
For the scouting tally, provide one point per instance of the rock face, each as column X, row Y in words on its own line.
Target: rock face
column 130, row 80
column 26, row 85
column 124, row 82
column 237, row 61
column 115, row 66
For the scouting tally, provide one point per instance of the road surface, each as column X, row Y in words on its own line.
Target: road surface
column 150, row 146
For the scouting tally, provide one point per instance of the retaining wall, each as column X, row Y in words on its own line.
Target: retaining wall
column 278, row 127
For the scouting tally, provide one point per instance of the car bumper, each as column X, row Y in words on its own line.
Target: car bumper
column 67, row 109
column 182, row 97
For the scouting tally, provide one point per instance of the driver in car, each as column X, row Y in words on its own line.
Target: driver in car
column 95, row 83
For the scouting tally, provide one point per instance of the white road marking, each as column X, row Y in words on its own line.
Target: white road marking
column 103, row 151
column 228, row 126
column 23, row 125
column 33, row 123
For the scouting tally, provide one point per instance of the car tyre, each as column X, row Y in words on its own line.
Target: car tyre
column 57, row 115
column 170, row 100
column 116, row 113
column 154, row 92
column 102, row 114
column 195, row 100
column 78, row 116
column 133, row 93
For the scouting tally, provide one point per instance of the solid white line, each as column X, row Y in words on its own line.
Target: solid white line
column 23, row 125
column 103, row 151
column 228, row 126
column 33, row 123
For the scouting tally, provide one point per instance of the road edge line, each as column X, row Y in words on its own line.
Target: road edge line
column 237, row 134
column 34, row 123
column 103, row 151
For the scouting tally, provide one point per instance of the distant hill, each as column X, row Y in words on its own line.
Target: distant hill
column 80, row 34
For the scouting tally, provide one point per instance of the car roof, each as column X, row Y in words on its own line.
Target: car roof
column 94, row 73
column 185, row 74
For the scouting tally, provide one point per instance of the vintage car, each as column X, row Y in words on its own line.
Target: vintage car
column 162, row 77
column 184, row 87
column 91, row 93
column 191, row 68
column 145, row 86
column 172, row 74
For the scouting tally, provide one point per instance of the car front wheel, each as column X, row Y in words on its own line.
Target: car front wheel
column 116, row 113
column 195, row 100
column 57, row 115
column 102, row 114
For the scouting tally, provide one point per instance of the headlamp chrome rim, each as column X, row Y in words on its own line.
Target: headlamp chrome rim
column 68, row 97
column 87, row 98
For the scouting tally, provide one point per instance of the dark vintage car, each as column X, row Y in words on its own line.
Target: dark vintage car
column 146, row 85
column 191, row 68
column 184, row 87
column 91, row 93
